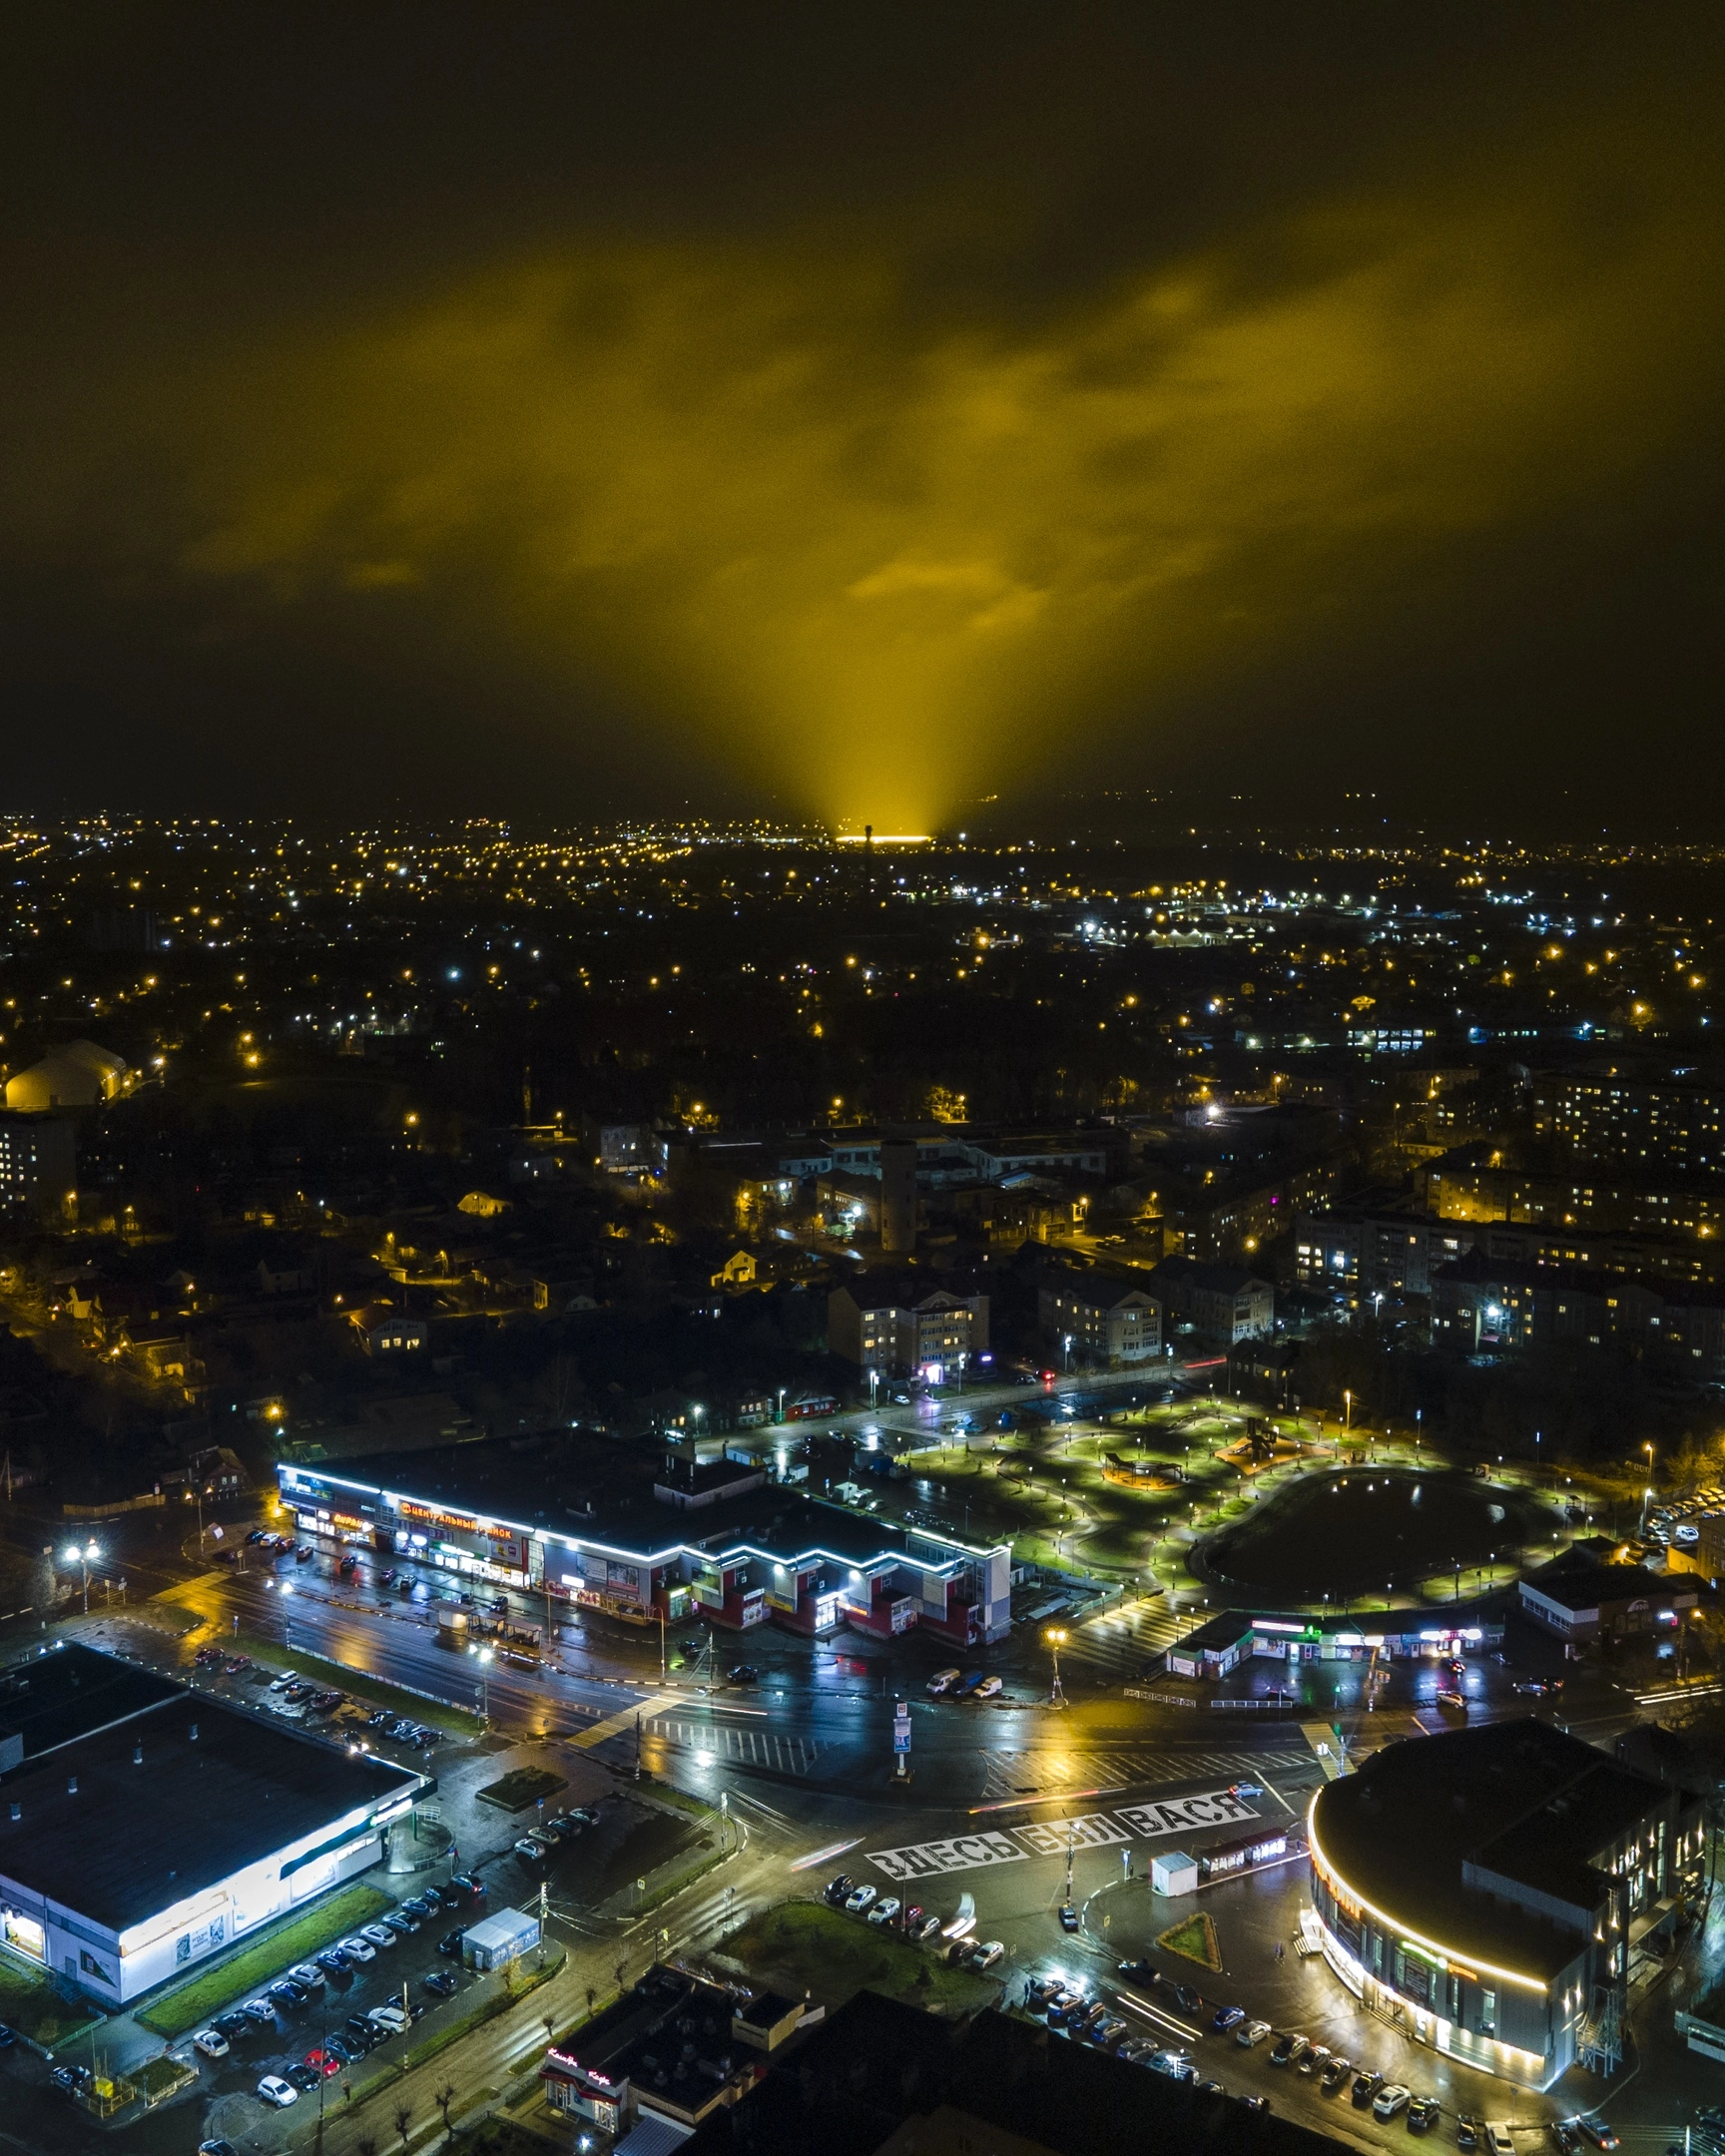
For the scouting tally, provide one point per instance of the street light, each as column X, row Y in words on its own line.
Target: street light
column 84, row 1557
column 1056, row 1640
column 485, row 1654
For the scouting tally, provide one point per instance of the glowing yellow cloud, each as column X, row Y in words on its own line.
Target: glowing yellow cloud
column 889, row 564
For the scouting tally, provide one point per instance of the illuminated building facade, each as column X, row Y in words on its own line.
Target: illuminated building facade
column 578, row 1531
column 1485, row 1891
column 904, row 1327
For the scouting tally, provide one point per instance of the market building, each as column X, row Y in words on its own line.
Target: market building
column 145, row 1827
column 1486, row 1891
column 642, row 1536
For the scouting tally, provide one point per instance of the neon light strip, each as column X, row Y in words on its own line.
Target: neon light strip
column 686, row 1549
column 1337, row 1884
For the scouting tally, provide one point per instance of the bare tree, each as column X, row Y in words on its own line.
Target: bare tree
column 445, row 2097
column 592, row 1997
column 403, row 2119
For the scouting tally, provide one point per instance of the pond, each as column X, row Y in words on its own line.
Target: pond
column 1354, row 1531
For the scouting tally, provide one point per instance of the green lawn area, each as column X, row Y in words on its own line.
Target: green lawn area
column 30, row 2003
column 807, row 1947
column 260, row 1960
column 337, row 1676
column 521, row 1787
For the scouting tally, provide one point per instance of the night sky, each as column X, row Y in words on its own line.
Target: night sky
column 858, row 412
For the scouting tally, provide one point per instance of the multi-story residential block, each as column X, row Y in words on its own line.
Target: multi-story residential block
column 1222, row 1304
column 38, row 1165
column 1093, row 1316
column 903, row 1326
column 1674, row 1125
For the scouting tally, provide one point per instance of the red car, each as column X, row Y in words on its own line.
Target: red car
column 323, row 2062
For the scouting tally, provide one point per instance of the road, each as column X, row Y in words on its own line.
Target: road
column 802, row 1760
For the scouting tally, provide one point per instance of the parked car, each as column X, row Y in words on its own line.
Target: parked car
column 1251, row 2032
column 1286, row 2050
column 259, row 2011
column 308, row 1975
column 323, row 2061
column 1068, row 1917
column 442, row 1982
column 467, row 1883
column 233, row 2024
column 1598, row 2132
column 211, row 2043
column 1497, row 2138
column 1422, row 2114
column 861, row 1900
column 288, row 1994
column 1366, row 2086
column 274, row 2090
column 527, row 1846
column 837, row 1889
column 885, row 1910
column 1226, row 2017
column 743, row 1673
column 304, row 2078
column 399, row 1927
column 989, row 1688
column 379, row 1935
column 1389, row 2100
column 986, row 1956
column 941, row 1682
column 1255, row 2103
column 1468, row 2131
column 1187, row 1999
column 451, row 1942
column 1312, row 2058
column 358, row 1949
column 332, row 1959
column 1566, row 2136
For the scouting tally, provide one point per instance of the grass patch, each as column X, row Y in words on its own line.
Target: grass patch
column 337, row 1677
column 521, row 1787
column 805, row 1946
column 667, row 1792
column 161, row 2077
column 1195, row 1938
column 31, row 2004
column 190, row 2004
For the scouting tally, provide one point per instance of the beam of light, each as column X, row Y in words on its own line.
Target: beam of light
column 867, row 550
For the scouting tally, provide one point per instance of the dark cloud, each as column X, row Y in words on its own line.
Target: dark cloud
column 836, row 406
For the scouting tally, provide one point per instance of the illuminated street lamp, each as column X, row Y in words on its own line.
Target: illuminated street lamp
column 1347, row 1410
column 84, row 1557
column 1056, row 1640
column 485, row 1654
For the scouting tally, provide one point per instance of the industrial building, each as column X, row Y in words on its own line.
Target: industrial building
column 1486, row 1890
column 650, row 1535
column 144, row 1828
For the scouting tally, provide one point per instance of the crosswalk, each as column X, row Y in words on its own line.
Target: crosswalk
column 1123, row 1643
column 739, row 1746
column 1109, row 1767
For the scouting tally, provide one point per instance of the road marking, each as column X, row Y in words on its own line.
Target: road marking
column 1052, row 1838
column 615, row 1725
column 1323, row 1740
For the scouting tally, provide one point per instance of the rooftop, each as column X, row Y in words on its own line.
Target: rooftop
column 590, row 1490
column 217, row 1789
column 1412, row 1828
column 1591, row 1585
column 990, row 2083
column 59, row 1696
